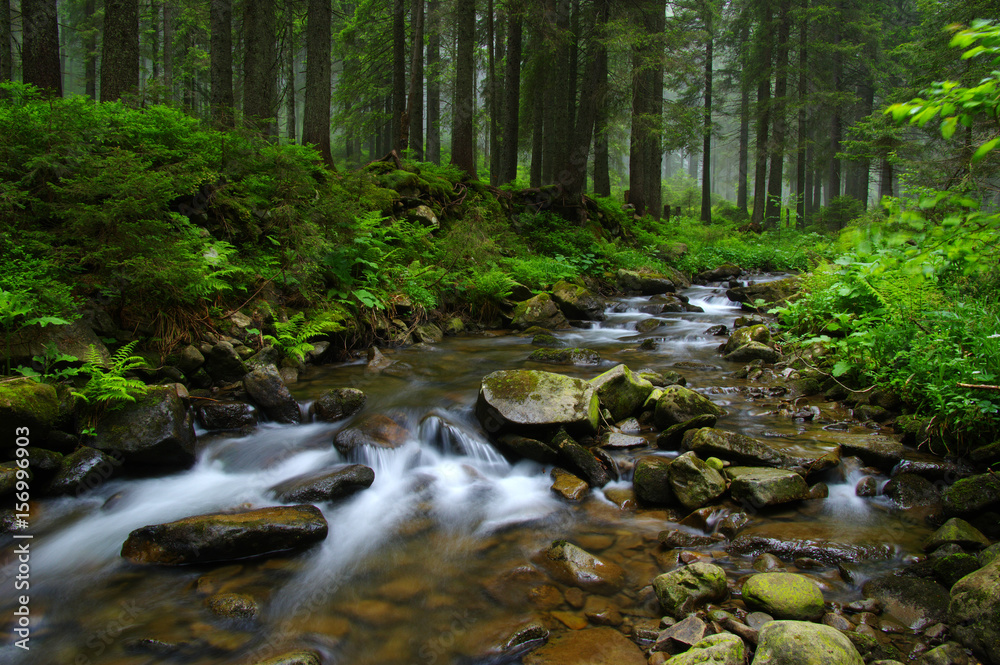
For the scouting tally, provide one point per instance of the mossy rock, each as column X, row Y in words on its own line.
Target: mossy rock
column 678, row 404
column 681, row 590
column 541, row 311
column 155, row 431
column 784, row 596
column 232, row 605
column 651, row 481
column 974, row 612
column 576, row 302
column 744, row 336
column 558, row 356
column 694, row 482
column 804, row 643
column 721, row 649
column 533, row 403
column 27, row 403
column 548, row 341
column 972, row 495
column 621, row 391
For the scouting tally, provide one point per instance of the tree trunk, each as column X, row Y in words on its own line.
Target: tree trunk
column 120, row 54
column 415, row 105
column 89, row 50
column 433, row 83
column 772, row 211
column 291, row 132
column 40, row 48
column 463, row 131
column 763, row 119
column 573, row 64
column 647, row 107
column 221, row 64
column 864, row 166
column 801, row 187
column 260, row 98
column 537, row 125
column 833, row 177
column 557, row 129
column 168, row 50
column 512, row 96
column 491, row 96
column 885, row 179
column 6, row 48
column 399, row 141
column 602, row 174
column 706, row 180
column 316, row 114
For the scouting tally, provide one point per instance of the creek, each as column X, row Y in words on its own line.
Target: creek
column 413, row 568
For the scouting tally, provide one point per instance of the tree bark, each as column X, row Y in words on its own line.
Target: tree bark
column 602, row 173
column 772, row 210
column 120, row 54
column 537, row 122
column 763, row 118
column 260, row 97
column 433, row 82
column 40, row 48
column 801, row 186
column 399, row 141
column 316, row 114
column 833, row 176
column 706, row 179
column 168, row 50
column 512, row 95
column 221, row 62
column 742, row 197
column 647, row 109
column 6, row 48
column 290, row 121
column 415, row 105
column 463, row 131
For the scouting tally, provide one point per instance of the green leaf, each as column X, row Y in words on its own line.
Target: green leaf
column 985, row 149
column 948, row 127
column 841, row 367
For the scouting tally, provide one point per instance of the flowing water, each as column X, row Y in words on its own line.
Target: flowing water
column 416, row 569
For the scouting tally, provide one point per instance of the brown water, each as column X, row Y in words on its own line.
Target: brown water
column 417, row 569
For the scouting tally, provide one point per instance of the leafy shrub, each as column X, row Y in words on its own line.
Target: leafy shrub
column 108, row 387
column 292, row 337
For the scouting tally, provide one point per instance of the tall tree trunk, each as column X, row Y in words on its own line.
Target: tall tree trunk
column 90, row 51
column 864, row 166
column 772, row 212
column 885, row 179
column 763, row 117
column 463, row 131
column 168, row 49
column 833, row 176
column 316, row 114
column 399, row 138
column 602, row 174
column 810, row 171
column 433, row 82
column 221, row 63
column 154, row 36
column 40, row 48
column 647, row 107
column 6, row 47
column 415, row 105
column 800, row 150
column 512, row 95
column 260, row 97
column 537, row 124
column 742, row 198
column 491, row 95
column 120, row 54
column 291, row 132
column 573, row 63
column 557, row 129
column 706, row 180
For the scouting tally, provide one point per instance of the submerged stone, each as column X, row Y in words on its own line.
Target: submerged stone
column 570, row 564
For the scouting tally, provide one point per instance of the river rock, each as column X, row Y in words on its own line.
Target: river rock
column 155, row 431
column 224, row 364
column 647, row 284
column 376, row 430
column 575, row 356
column 577, row 302
column 621, row 391
column 572, row 565
column 232, row 605
column 547, row 340
column 678, row 404
column 324, row 485
column 428, row 333
column 28, row 403
column 188, row 359
column 743, row 336
column 681, row 590
column 721, row 649
column 915, row 602
column 972, row 495
column 672, row 437
column 721, row 273
column 974, row 612
column 959, row 532
column 226, row 415
column 908, row 490
column 618, row 441
column 951, row 568
column 684, row 633
column 694, row 482
column 500, row 640
column 754, row 351
column 265, row 387
column 294, row 658
column 784, row 596
column 742, row 449
column 590, row 646
column 568, row 486
column 531, row 402
column 777, row 291
column 581, row 461
column 82, row 470
column 521, row 447
column 762, row 487
column 804, row 643
column 540, row 310
column 338, row 404
column 875, row 451
column 832, row 544
column 226, row 536
column 651, row 481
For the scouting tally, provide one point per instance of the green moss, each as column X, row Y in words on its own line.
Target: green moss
column 28, row 402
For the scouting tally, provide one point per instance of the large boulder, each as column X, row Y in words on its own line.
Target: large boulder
column 694, row 482
column 651, row 481
column 533, row 403
column 974, row 612
column 83, row 470
column 28, row 403
column 907, row 490
column 591, row 646
column 570, row 564
column 337, row 404
column 648, row 284
column 973, row 495
column 324, row 485
column 678, row 404
column 784, row 596
column 375, row 430
column 226, row 536
column 155, row 430
column 759, row 488
column 721, row 273
column 226, row 415
column 876, row 451
column 74, row 339
column 681, row 590
column 914, row 602
column 957, row 531
column 742, row 449
column 804, row 643
column 747, row 335
column 754, row 351
column 224, row 364
column 577, row 302
column 265, row 386
column 621, row 391
column 539, row 311
column 776, row 292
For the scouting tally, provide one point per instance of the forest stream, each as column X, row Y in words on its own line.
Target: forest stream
column 433, row 563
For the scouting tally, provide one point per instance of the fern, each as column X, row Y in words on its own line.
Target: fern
column 292, row 338
column 108, row 386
